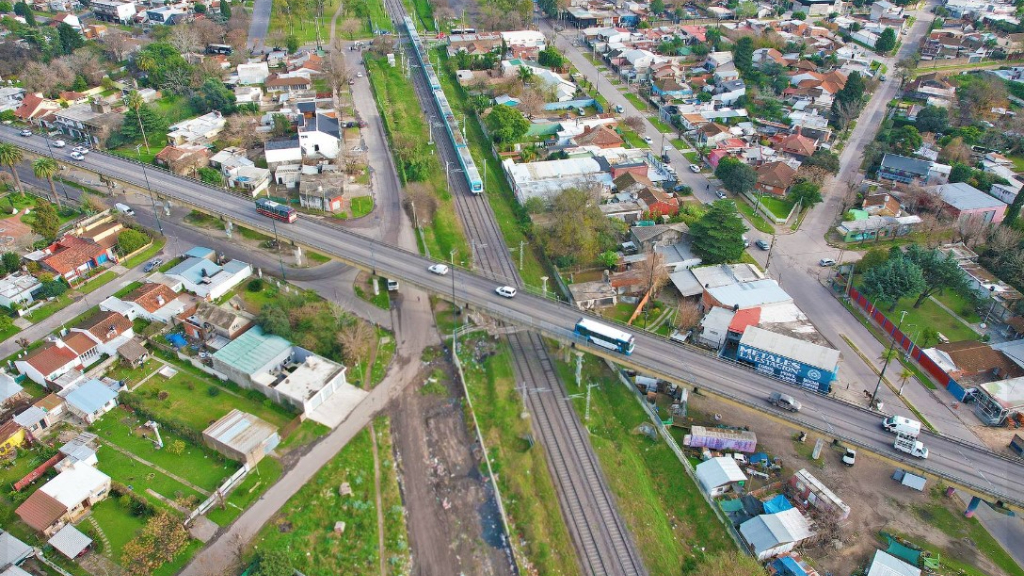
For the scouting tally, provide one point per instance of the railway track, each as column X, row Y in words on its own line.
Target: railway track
column 603, row 544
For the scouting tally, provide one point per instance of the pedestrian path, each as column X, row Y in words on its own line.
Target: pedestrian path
column 101, row 534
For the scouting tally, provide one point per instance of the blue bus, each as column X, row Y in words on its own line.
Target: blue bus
column 605, row 336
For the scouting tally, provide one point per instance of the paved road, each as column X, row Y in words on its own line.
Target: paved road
column 959, row 462
column 260, row 23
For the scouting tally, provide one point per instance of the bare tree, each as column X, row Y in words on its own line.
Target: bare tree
column 815, row 174
column 239, row 20
column 688, row 314
column 421, row 202
column 531, row 102
column 208, row 31
column 337, row 70
column 237, row 39
column 971, row 230
column 955, row 152
column 350, row 26
column 276, row 37
column 116, row 45
column 847, row 112
column 39, row 77
column 931, row 228
column 356, row 340
column 185, row 39
column 86, row 63
column 918, row 199
column 635, row 123
column 1004, row 239
column 240, row 130
column 652, row 273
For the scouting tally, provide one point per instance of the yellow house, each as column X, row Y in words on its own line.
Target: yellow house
column 12, row 436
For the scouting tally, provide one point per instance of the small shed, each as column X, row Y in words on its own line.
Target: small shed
column 718, row 475
column 910, row 480
column 884, row 564
column 133, row 353
column 242, row 436
column 770, row 535
column 12, row 550
column 810, row 490
column 70, row 542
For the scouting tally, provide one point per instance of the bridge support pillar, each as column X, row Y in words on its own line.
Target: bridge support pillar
column 975, row 501
column 579, row 368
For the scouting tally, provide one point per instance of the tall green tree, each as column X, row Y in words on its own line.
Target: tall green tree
column 11, row 262
column 718, row 234
column 225, row 9
column 579, row 231
column 47, row 168
column 940, row 272
column 825, row 159
column 68, row 39
column 737, row 176
column 135, row 103
column 291, row 42
column 806, row 193
column 743, row 55
column 905, row 140
column 932, row 119
column 886, row 41
column 1011, row 217
column 214, row 95
column 11, row 156
column 892, row 281
column 657, row 6
column 25, row 11
column 46, row 222
column 507, row 125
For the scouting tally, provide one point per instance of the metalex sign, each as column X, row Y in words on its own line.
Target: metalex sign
column 784, row 368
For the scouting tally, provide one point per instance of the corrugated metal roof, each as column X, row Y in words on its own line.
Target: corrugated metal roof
column 69, row 541
column 240, row 430
column 885, row 564
column 798, row 350
column 91, row 396
column 252, row 350
column 1009, row 393
column 750, row 294
column 718, row 471
column 769, row 530
column 963, row 196
column 12, row 550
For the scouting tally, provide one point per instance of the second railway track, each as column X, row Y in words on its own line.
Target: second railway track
column 603, row 544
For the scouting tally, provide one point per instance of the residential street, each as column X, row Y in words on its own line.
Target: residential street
column 260, row 23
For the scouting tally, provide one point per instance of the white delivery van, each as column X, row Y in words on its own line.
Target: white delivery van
column 124, row 208
column 901, row 425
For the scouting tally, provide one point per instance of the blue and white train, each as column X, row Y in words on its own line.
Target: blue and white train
column 476, row 186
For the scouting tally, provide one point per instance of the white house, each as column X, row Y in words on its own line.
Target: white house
column 282, row 151
column 113, row 10
column 69, row 19
column 320, row 136
column 523, row 39
column 207, row 279
column 200, row 130
column 64, row 499
column 639, row 59
column 770, row 535
column 248, row 95
column 883, row 9
column 249, row 178
column 91, row 400
column 718, row 475
column 18, row 289
column 253, row 73
column 152, row 301
column 48, row 362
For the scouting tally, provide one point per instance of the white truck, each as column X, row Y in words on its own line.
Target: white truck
column 910, row 445
column 124, row 208
column 901, row 425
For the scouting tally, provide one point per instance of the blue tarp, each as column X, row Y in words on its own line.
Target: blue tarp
column 788, row 567
column 758, row 458
column 176, row 340
column 778, row 504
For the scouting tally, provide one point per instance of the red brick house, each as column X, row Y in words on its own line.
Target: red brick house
column 659, row 202
column 72, row 257
column 775, row 178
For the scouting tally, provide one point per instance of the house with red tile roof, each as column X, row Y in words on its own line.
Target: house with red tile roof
column 108, row 330
column 34, row 106
column 775, row 178
column 659, row 202
column 600, row 136
column 48, row 363
column 152, row 301
column 64, row 499
column 72, row 257
column 796, row 145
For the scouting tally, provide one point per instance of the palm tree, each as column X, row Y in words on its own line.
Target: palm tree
column 905, row 375
column 47, row 168
column 10, row 156
column 135, row 102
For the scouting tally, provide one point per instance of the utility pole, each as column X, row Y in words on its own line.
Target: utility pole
column 521, row 242
column 888, row 358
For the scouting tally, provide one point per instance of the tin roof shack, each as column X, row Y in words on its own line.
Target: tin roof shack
column 809, row 365
column 718, row 475
column 884, row 564
column 770, row 535
column 813, row 493
column 242, row 436
column 721, row 439
column 70, row 542
column 999, row 399
column 12, row 550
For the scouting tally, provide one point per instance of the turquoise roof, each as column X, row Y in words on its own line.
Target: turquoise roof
column 252, row 350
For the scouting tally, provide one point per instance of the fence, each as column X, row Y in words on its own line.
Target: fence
column 909, row 346
column 570, row 104
column 220, row 494
column 768, row 214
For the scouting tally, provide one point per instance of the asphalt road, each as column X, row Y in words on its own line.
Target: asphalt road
column 967, row 464
column 260, row 23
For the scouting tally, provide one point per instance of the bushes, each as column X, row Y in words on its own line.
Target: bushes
column 129, row 241
column 133, row 503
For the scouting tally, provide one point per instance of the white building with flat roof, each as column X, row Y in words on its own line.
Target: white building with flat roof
column 547, row 179
column 17, row 289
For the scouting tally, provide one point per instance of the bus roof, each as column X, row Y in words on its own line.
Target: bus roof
column 610, row 331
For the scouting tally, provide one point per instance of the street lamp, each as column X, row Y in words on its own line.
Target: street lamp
column 152, row 199
column 888, row 358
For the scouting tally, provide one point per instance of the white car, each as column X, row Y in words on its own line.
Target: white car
column 850, row 457
column 81, row 150
column 26, row 132
column 694, row 168
column 77, row 156
column 59, row 143
column 826, row 262
column 439, row 269
column 506, row 291
column 648, row 139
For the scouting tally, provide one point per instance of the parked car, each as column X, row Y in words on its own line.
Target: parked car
column 392, row 285
column 826, row 262
column 850, row 457
column 784, row 401
column 506, row 291
column 439, row 269
column 152, row 265
column 77, row 156
column 619, row 109
column 26, row 132
column 720, row 194
column 694, row 168
column 762, row 245
column 648, row 139
column 59, row 143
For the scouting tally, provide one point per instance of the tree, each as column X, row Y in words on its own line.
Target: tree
column 148, row 121
column 214, row 95
column 47, row 168
column 892, row 281
column 291, row 42
column 11, row 156
column 157, row 544
column 6, row 7
column 22, row 9
column 357, row 340
column 657, row 6
column 116, row 45
column 731, row 563
column 825, row 159
column 940, row 272
column 905, row 140
column 718, row 234
column 274, row 320
column 688, row 314
column 636, row 124
column 849, row 98
column 351, row 27
column 210, row 175
column 46, row 222
column 871, row 259
column 209, row 32
column 177, row 447
column 955, row 152
column 531, row 102
column 1012, row 212
column 273, row 563
column 743, row 55
column 579, row 231
column 507, row 125
column 932, row 119
column 608, row 259
column 886, row 41
column 806, row 193
column 737, row 176
column 11, row 262
column 130, row 240
column 550, row 57
column 225, row 9
column 185, row 39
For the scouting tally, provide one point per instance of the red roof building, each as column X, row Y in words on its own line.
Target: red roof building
column 34, row 106
column 48, row 363
column 775, row 178
column 42, row 512
column 71, row 257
